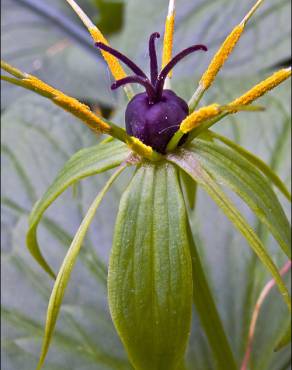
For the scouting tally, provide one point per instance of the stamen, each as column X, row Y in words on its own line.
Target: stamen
column 221, row 56
column 138, row 80
column 122, row 58
column 203, row 114
column 163, row 74
column 263, row 87
column 114, row 66
column 153, row 57
column 168, row 35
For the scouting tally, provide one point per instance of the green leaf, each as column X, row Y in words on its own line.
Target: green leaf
column 234, row 171
column 150, row 273
column 190, row 162
column 86, row 162
column 256, row 161
column 208, row 313
column 66, row 269
column 285, row 339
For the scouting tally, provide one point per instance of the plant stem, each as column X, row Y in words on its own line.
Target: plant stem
column 265, row 292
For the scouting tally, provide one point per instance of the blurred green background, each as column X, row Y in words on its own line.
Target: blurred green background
column 45, row 38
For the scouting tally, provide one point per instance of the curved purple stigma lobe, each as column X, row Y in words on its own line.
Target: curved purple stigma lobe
column 138, row 71
column 163, row 74
column 139, row 80
column 153, row 57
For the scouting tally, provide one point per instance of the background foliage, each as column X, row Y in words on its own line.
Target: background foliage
column 38, row 138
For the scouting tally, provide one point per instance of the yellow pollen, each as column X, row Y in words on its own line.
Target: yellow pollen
column 263, row 87
column 68, row 103
column 168, row 41
column 114, row 65
column 221, row 56
column 137, row 146
column 197, row 117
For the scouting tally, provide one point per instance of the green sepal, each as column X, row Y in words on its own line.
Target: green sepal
column 86, row 162
column 150, row 273
column 66, row 268
column 230, row 168
column 191, row 163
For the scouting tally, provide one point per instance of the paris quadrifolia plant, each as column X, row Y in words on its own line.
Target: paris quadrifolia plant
column 155, row 273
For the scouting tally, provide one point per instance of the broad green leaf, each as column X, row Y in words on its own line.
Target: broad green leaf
column 233, row 170
column 190, row 162
column 285, row 339
column 208, row 313
column 86, row 162
column 256, row 161
column 150, row 273
column 66, row 269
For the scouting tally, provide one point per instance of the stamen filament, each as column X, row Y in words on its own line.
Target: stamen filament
column 153, row 57
column 138, row 71
column 139, row 80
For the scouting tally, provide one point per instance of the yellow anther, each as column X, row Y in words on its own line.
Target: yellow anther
column 137, row 146
column 221, row 56
column 197, row 117
column 168, row 41
column 142, row 149
column 263, row 87
column 226, row 49
column 68, row 103
column 114, row 65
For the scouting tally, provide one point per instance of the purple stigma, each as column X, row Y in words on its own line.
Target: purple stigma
column 153, row 57
column 163, row 74
column 138, row 80
column 138, row 71
column 154, row 86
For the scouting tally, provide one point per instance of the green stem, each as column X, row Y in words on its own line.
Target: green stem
column 204, row 126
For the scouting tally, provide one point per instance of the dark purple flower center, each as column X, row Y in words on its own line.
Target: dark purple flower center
column 153, row 116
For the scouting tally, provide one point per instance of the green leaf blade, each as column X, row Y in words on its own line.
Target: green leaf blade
column 190, row 162
column 66, row 269
column 150, row 278
column 285, row 339
column 86, row 162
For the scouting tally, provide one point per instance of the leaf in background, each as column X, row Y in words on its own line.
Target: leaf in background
column 87, row 162
column 52, row 44
column 208, row 313
column 285, row 339
column 150, row 273
column 111, row 15
column 190, row 188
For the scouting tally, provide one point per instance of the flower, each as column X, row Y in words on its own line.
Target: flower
column 164, row 122
column 158, row 257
